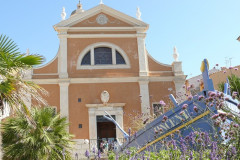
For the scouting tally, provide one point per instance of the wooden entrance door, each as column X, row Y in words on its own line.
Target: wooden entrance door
column 106, row 130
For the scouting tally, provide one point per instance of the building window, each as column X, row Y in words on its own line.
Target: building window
column 103, row 56
column 119, row 58
column 158, row 109
column 86, row 59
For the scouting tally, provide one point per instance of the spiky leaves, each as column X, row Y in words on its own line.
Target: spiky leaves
column 44, row 139
column 13, row 89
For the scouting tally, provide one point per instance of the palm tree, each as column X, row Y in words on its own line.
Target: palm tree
column 46, row 140
column 13, row 88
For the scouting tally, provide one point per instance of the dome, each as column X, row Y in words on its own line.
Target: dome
column 73, row 12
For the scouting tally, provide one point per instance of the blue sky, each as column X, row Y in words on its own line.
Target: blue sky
column 198, row 28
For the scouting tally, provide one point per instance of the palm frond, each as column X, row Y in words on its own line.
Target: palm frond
column 39, row 142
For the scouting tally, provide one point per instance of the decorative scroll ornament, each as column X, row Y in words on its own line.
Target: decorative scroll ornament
column 102, row 19
column 105, row 97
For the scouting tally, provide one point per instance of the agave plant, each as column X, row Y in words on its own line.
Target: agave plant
column 234, row 82
column 46, row 140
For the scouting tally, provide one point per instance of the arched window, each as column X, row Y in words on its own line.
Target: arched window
column 103, row 56
column 119, row 58
column 86, row 59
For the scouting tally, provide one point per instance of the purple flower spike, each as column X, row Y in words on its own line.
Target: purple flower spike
column 99, row 154
column 200, row 98
column 212, row 94
column 235, row 125
column 215, row 116
column 94, row 150
column 195, row 108
column 184, row 106
column 236, row 69
column 165, row 117
column 191, row 156
column 87, row 154
column 190, row 98
column 234, row 151
column 129, row 131
column 135, row 135
column 181, row 113
column 162, row 103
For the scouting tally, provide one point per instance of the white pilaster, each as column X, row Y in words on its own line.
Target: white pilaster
column 142, row 55
column 179, row 80
column 145, row 101
column 62, row 59
column 177, row 68
column 119, row 119
column 92, row 124
column 64, row 106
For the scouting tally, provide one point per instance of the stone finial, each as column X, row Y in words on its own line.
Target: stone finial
column 79, row 8
column 27, row 52
column 175, row 54
column 63, row 14
column 138, row 14
column 101, row 2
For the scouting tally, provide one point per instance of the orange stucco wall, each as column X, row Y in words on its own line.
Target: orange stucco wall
column 160, row 91
column 53, row 97
column 219, row 77
column 154, row 66
column 50, row 68
column 76, row 46
column 112, row 22
column 90, row 94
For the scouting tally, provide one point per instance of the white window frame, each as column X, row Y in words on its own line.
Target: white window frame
column 108, row 66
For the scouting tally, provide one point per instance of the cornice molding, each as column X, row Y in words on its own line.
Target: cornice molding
column 104, row 80
column 63, row 30
column 106, row 105
column 100, row 35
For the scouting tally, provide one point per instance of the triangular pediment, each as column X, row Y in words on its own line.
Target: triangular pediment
column 102, row 20
column 101, row 16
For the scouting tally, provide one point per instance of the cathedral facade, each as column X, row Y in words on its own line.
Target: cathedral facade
column 103, row 65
